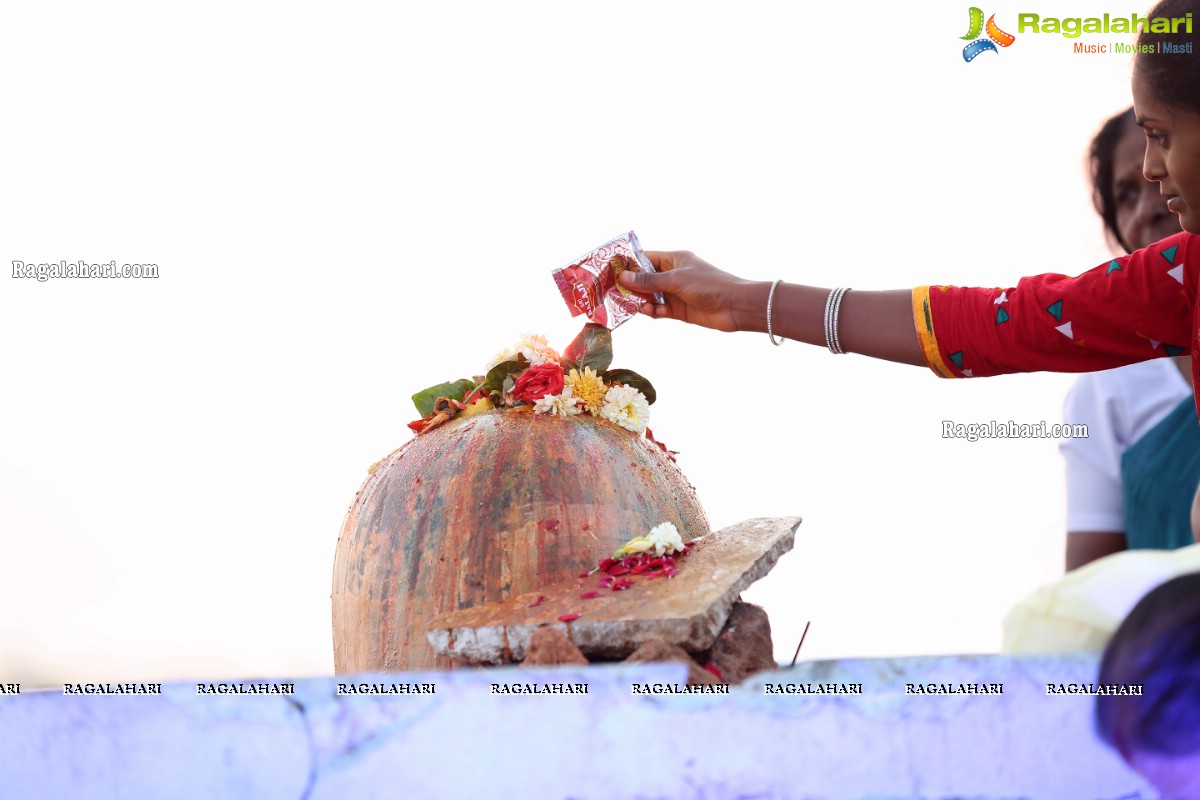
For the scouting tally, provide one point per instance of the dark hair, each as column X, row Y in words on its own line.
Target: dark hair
column 1101, row 166
column 1173, row 77
column 1158, row 647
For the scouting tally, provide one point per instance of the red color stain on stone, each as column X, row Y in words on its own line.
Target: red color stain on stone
column 456, row 490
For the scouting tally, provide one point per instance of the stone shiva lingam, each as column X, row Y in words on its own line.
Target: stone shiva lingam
column 516, row 478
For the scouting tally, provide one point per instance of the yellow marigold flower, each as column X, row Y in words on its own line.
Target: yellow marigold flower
column 588, row 388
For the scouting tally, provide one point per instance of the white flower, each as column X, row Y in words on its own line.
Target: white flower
column 536, row 349
column 506, row 355
column 626, row 407
column 665, row 538
column 563, row 404
column 533, row 346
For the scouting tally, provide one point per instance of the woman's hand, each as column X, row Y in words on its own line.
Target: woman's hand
column 695, row 291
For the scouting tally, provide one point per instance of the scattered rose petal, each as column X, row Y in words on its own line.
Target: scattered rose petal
column 642, row 562
column 568, row 617
column 715, row 670
column 589, row 595
column 670, row 453
column 537, row 601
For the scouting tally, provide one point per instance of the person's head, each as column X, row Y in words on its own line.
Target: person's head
column 1134, row 212
column 1157, row 646
column 1166, row 101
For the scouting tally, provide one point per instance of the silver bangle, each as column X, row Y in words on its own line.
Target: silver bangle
column 770, row 300
column 833, row 304
column 829, row 318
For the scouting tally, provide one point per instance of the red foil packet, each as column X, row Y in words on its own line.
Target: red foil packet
column 589, row 283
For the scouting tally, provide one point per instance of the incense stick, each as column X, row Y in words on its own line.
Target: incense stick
column 801, row 642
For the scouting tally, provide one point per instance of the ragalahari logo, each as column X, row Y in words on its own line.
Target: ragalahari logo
column 995, row 36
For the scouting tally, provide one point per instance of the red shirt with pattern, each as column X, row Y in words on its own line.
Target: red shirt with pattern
column 1130, row 309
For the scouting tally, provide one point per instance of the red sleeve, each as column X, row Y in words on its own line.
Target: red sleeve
column 1134, row 308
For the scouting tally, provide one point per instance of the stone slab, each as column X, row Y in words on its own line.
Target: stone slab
column 688, row 610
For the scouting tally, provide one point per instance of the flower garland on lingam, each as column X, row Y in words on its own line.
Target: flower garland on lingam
column 533, row 377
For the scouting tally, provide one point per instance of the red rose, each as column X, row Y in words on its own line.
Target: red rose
column 537, row 382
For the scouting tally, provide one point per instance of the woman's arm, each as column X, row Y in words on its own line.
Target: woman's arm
column 873, row 323
column 1130, row 309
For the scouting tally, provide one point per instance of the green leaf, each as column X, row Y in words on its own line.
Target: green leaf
column 631, row 378
column 591, row 348
column 455, row 390
column 494, row 380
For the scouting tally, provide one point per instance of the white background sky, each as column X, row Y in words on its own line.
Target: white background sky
column 349, row 203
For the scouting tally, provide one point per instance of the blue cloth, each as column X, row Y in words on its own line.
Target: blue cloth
column 1159, row 475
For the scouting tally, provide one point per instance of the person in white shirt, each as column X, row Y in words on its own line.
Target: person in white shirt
column 1121, row 406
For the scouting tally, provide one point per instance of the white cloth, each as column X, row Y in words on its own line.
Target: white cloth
column 1119, row 406
column 1080, row 611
